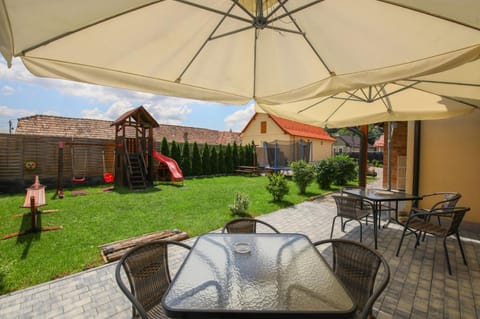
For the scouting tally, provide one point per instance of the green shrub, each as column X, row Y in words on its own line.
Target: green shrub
column 303, row 174
column 324, row 173
column 345, row 169
column 240, row 204
column 277, row 186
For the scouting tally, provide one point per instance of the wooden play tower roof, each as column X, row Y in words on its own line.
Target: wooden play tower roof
column 138, row 117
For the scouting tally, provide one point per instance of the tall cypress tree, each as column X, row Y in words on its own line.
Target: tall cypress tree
column 206, row 160
column 164, row 149
column 228, row 159
column 241, row 155
column 175, row 153
column 235, row 156
column 196, row 160
column 186, row 160
column 221, row 160
column 214, row 161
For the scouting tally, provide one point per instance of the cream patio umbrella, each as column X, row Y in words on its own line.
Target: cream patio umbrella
column 232, row 51
column 383, row 103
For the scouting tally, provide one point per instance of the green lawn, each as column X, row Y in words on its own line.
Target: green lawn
column 200, row 206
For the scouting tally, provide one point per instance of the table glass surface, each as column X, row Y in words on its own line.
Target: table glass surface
column 383, row 195
column 259, row 274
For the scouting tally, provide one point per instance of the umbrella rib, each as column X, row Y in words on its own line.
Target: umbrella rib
column 215, row 10
column 430, row 14
column 333, row 113
column 284, row 30
column 179, row 78
column 276, row 9
column 230, row 33
column 316, row 103
column 443, row 82
column 244, row 9
column 378, row 92
column 289, row 14
column 384, row 100
column 404, row 87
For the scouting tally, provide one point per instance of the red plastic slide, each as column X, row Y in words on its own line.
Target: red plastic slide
column 176, row 174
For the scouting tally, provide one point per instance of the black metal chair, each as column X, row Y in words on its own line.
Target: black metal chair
column 148, row 274
column 351, row 208
column 419, row 222
column 357, row 265
column 245, row 225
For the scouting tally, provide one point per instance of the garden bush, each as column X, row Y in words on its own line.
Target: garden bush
column 345, row 169
column 303, row 174
column 240, row 204
column 324, row 173
column 277, row 186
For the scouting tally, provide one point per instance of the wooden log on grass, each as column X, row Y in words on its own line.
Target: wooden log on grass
column 115, row 250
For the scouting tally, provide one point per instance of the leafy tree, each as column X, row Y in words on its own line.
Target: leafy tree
column 165, row 149
column 221, row 160
column 228, row 159
column 196, row 160
column 186, row 160
column 214, row 161
column 206, row 169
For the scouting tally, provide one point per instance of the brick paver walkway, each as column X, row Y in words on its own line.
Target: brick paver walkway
column 420, row 286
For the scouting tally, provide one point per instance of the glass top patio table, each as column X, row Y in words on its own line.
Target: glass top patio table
column 377, row 196
column 257, row 276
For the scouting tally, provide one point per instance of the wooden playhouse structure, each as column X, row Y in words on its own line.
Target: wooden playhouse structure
column 134, row 144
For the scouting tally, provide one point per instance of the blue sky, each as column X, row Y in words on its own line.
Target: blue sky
column 23, row 94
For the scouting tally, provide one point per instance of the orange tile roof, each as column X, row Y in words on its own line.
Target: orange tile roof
column 302, row 130
column 379, row 142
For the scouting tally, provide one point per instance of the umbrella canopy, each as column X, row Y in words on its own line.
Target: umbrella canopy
column 231, row 51
column 383, row 103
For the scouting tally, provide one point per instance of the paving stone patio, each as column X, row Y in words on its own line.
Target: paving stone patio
column 420, row 285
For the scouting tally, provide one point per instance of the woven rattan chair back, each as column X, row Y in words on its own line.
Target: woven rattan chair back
column 357, row 265
column 351, row 208
column 246, row 225
column 419, row 222
column 446, row 199
column 148, row 274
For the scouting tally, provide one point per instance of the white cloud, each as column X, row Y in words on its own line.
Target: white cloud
column 109, row 103
column 11, row 113
column 7, row 90
column 237, row 120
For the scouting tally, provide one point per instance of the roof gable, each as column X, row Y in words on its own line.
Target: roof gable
column 301, row 130
column 138, row 116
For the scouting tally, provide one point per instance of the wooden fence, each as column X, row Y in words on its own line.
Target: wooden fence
column 22, row 157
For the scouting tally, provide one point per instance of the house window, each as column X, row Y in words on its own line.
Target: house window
column 263, row 127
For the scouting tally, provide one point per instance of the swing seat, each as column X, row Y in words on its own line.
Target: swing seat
column 108, row 177
column 78, row 179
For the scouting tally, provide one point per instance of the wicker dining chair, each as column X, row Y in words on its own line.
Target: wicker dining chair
column 357, row 266
column 148, row 274
column 419, row 222
column 351, row 208
column 444, row 200
column 245, row 225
